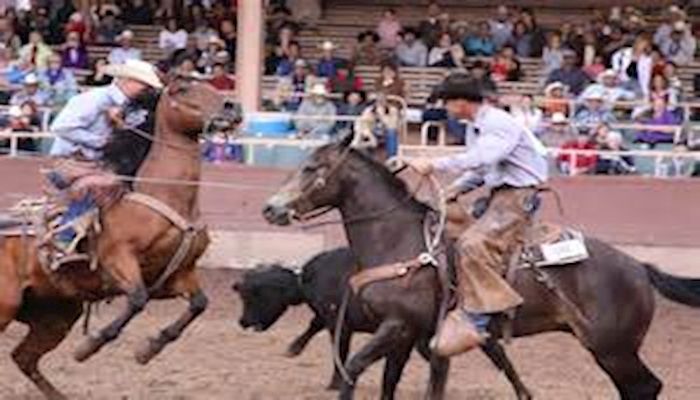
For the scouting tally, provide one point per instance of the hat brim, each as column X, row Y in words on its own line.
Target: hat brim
column 123, row 71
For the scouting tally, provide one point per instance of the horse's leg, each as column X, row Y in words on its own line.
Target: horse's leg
column 124, row 268
column 497, row 354
column 315, row 326
column 632, row 378
column 395, row 364
column 48, row 326
column 343, row 349
column 381, row 344
column 439, row 370
column 11, row 291
column 187, row 284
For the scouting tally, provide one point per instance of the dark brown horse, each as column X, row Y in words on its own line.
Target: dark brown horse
column 134, row 248
column 613, row 292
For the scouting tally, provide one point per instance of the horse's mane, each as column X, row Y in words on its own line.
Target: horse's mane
column 126, row 151
column 395, row 183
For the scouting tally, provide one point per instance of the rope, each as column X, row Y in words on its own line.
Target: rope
column 339, row 322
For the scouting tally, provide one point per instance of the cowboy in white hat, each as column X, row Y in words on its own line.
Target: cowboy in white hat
column 316, row 115
column 608, row 85
column 83, row 128
column 593, row 110
column 328, row 64
column 680, row 44
column 31, row 91
column 125, row 51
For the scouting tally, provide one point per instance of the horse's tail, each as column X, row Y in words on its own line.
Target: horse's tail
column 679, row 289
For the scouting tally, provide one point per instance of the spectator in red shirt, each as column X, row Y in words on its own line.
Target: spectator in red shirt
column 578, row 164
column 345, row 79
column 221, row 79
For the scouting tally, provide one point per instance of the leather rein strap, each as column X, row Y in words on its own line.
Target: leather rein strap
column 189, row 233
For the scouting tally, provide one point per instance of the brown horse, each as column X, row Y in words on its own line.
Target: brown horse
column 134, row 248
column 612, row 292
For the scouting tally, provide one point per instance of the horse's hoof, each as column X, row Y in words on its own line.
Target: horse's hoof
column 147, row 351
column 87, row 349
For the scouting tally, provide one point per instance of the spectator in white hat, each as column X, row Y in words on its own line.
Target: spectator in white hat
column 673, row 15
column 556, row 99
column 593, row 111
column 612, row 92
column 316, row 115
column 119, row 55
column 328, row 64
column 557, row 131
column 31, row 91
column 680, row 45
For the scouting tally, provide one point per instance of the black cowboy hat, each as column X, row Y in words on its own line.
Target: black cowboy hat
column 461, row 86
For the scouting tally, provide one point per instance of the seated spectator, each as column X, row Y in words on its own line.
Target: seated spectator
column 227, row 33
column 345, row 79
column 328, row 63
column 58, row 82
column 608, row 85
column 352, row 105
column 593, row 111
column 77, row 24
column 171, row 37
column 273, row 59
column 201, row 34
column 501, row 28
column 36, row 52
column 553, row 53
column 389, row 29
column 322, row 112
column 10, row 71
column 380, row 123
column 429, row 29
column 366, row 51
column 306, row 11
column 23, row 118
column 527, row 113
column 633, row 65
column 8, row 37
column 522, row 40
column 39, row 21
column 137, row 12
column 570, row 74
column 590, row 49
column 446, row 54
column 596, row 68
column 301, row 82
column 505, row 67
column 680, row 46
column 109, row 28
column 288, row 63
column 660, row 88
column 481, row 44
column 556, row 99
column 30, row 92
column 208, row 57
column 670, row 72
column 658, row 115
column 556, row 131
column 278, row 17
column 577, row 163
column 221, row 79
column 74, row 54
column 539, row 40
column 283, row 99
column 389, row 81
column 614, row 164
column 98, row 77
column 411, row 52
column 658, row 62
column 119, row 55
column 674, row 15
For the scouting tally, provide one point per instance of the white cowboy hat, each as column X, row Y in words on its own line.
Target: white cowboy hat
column 679, row 26
column 554, row 86
column 328, row 45
column 126, row 34
column 608, row 73
column 594, row 94
column 559, row 118
column 137, row 70
column 31, row 79
column 318, row 89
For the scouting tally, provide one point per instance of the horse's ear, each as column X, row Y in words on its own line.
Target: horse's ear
column 346, row 138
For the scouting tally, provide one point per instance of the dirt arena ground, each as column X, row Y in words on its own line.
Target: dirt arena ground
column 217, row 360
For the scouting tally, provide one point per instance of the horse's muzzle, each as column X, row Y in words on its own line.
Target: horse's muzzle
column 277, row 215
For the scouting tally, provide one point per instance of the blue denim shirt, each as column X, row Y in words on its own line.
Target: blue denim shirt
column 83, row 126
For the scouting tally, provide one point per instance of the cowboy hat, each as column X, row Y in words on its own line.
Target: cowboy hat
column 31, row 79
column 126, row 34
column 679, row 26
column 594, row 94
column 318, row 89
column 328, row 45
column 554, row 86
column 137, row 70
column 608, row 73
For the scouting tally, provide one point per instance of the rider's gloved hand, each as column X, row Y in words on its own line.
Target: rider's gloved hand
column 423, row 166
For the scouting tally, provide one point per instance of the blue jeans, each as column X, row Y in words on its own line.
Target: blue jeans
column 391, row 142
column 480, row 321
column 75, row 210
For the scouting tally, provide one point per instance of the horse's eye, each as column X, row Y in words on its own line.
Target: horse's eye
column 310, row 168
